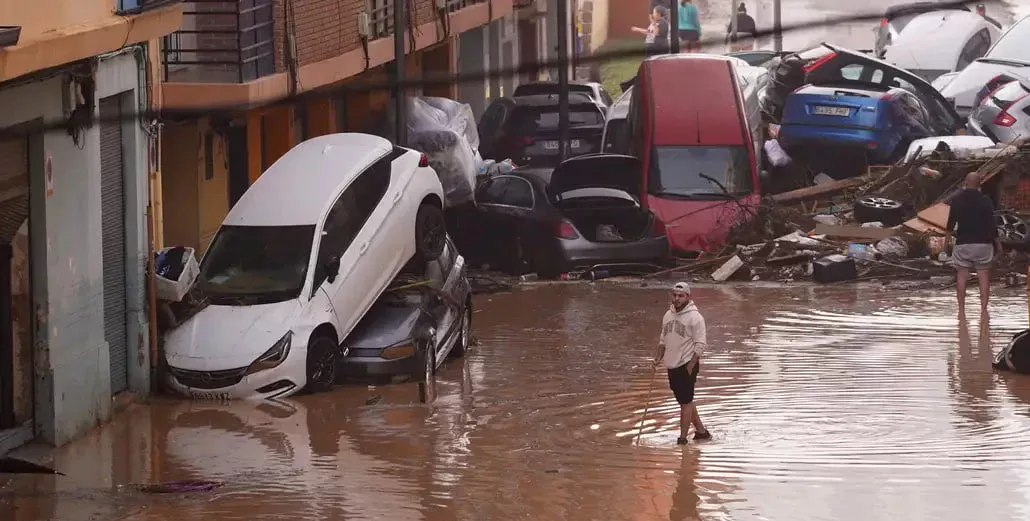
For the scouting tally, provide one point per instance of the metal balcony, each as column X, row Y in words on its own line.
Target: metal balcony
column 222, row 41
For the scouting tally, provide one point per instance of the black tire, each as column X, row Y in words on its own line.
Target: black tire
column 870, row 208
column 1013, row 231
column 321, row 364
column 461, row 345
column 426, row 367
column 430, row 232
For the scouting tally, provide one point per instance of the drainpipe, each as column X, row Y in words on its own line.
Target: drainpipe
column 401, row 113
column 563, row 79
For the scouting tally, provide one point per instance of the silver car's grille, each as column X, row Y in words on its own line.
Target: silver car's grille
column 208, row 379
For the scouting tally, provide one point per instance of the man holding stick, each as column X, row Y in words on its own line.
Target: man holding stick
column 680, row 347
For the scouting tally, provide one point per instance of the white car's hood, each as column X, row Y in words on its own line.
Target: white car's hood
column 228, row 337
column 966, row 84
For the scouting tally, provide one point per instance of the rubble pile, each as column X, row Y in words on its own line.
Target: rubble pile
column 886, row 224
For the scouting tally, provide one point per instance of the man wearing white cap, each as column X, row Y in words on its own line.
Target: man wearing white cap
column 682, row 342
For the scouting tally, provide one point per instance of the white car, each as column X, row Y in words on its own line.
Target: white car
column 1009, row 55
column 919, row 48
column 298, row 261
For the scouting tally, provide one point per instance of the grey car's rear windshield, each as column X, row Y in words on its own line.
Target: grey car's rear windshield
column 530, row 119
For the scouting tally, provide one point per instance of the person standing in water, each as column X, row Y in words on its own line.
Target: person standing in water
column 680, row 346
column 689, row 26
column 976, row 240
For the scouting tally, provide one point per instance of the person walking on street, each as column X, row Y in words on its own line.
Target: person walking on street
column 680, row 346
column 689, row 26
column 746, row 27
column 656, row 36
column 976, row 240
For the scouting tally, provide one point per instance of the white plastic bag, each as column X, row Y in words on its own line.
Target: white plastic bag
column 777, row 156
column 445, row 131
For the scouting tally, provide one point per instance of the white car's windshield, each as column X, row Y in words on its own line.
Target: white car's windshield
column 1014, row 46
column 263, row 263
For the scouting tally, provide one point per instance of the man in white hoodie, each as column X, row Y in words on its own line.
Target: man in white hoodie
column 682, row 342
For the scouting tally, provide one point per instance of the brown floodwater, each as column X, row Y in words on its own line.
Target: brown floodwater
column 826, row 403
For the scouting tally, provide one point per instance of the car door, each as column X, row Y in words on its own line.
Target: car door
column 346, row 247
column 445, row 304
column 506, row 204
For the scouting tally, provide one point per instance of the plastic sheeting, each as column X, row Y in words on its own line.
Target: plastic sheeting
column 445, row 131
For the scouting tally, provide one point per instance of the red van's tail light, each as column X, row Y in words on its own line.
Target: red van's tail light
column 884, row 22
column 423, row 161
column 658, row 228
column 528, row 140
column 809, row 67
column 565, row 230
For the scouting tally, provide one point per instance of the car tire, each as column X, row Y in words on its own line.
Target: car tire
column 430, row 232
column 426, row 367
column 1013, row 231
column 871, row 208
column 461, row 345
column 321, row 364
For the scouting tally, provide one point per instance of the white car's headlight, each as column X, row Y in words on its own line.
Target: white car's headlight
column 274, row 356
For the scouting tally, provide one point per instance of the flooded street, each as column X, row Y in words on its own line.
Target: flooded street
column 831, row 403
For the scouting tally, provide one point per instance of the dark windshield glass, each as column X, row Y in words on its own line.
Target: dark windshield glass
column 678, row 170
column 527, row 120
column 536, row 89
column 262, row 263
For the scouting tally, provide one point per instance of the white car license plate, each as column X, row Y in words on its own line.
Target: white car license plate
column 550, row 145
column 209, row 397
column 831, row 111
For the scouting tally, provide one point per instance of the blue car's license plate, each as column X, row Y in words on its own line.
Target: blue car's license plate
column 823, row 110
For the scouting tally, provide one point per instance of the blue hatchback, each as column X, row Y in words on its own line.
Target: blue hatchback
column 879, row 121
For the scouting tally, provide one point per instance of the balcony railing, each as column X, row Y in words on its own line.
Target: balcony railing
column 222, row 41
column 381, row 17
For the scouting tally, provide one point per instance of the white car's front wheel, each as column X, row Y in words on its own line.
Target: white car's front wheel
column 321, row 364
column 430, row 232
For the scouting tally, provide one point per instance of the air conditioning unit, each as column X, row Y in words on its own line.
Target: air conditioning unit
column 364, row 25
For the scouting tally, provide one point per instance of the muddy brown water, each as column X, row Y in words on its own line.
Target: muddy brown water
column 833, row 403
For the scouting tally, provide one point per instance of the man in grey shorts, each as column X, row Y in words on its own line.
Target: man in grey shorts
column 976, row 240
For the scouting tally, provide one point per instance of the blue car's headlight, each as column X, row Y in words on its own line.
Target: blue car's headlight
column 274, row 356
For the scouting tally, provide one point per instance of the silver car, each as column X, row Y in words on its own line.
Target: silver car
column 1004, row 114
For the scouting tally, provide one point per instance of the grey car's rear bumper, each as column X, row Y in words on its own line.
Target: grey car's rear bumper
column 583, row 253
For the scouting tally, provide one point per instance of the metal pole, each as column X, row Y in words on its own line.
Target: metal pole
column 563, row 78
column 574, row 27
column 733, row 23
column 401, row 119
column 674, row 27
column 777, row 26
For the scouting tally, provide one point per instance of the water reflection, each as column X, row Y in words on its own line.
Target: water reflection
column 820, row 398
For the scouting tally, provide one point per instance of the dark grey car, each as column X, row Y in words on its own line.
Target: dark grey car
column 415, row 326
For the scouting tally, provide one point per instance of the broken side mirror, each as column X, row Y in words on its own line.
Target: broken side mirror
column 332, row 268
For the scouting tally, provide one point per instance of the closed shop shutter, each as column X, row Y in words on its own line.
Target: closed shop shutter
column 112, row 201
column 14, row 187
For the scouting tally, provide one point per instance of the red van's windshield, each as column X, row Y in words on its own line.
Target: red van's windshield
column 677, row 171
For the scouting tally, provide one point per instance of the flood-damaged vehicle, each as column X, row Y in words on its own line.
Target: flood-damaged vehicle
column 525, row 129
column 423, row 319
column 1003, row 114
column 583, row 214
column 297, row 263
column 827, row 64
column 920, row 49
column 615, row 138
column 1009, row 55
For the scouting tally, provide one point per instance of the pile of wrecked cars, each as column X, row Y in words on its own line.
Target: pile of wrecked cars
column 336, row 262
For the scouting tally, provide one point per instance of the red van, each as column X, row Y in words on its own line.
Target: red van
column 696, row 125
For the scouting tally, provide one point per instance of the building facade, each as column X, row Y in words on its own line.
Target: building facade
column 248, row 56
column 75, row 160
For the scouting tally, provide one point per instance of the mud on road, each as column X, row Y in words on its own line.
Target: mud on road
column 827, row 403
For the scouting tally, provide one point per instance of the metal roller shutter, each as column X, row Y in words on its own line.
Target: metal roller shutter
column 14, row 187
column 112, row 201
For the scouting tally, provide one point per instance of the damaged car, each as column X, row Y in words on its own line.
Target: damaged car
column 416, row 325
column 583, row 214
column 828, row 64
column 298, row 261
column 920, row 50
column 1003, row 115
column 527, row 131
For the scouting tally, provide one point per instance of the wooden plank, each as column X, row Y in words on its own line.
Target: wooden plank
column 853, row 232
column 809, row 192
